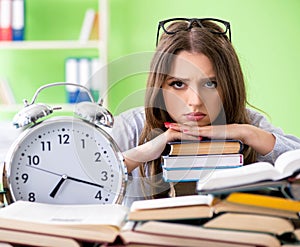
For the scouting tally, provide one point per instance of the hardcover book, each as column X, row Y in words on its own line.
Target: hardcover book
column 285, row 167
column 204, row 147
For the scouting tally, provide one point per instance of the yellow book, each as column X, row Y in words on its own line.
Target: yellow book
column 264, row 201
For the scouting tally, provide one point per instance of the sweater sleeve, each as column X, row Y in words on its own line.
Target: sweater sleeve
column 127, row 128
column 284, row 142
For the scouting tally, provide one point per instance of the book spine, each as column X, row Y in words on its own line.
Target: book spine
column 18, row 19
column 71, row 71
column 87, row 25
column 95, row 78
column 84, row 76
column 5, row 20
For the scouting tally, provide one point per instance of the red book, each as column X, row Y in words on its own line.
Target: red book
column 5, row 20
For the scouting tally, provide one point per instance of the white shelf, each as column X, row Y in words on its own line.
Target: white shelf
column 55, row 44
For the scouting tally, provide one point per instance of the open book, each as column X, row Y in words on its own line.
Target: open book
column 93, row 223
column 286, row 165
column 154, row 233
column 68, row 225
column 251, row 223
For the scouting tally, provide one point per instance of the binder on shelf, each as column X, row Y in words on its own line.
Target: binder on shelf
column 87, row 25
column 84, row 76
column 18, row 19
column 83, row 71
column 5, row 20
column 95, row 78
column 71, row 70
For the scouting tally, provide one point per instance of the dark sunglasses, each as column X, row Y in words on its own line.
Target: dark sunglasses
column 224, row 25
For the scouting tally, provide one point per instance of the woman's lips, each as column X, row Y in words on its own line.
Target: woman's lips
column 195, row 116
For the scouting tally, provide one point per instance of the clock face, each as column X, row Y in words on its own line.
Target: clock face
column 66, row 161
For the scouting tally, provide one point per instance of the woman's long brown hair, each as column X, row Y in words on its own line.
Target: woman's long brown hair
column 229, row 76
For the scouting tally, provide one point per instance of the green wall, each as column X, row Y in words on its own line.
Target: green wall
column 265, row 34
column 27, row 70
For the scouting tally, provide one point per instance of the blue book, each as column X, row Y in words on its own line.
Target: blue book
column 18, row 20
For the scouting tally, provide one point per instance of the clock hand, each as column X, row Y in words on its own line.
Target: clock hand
column 71, row 178
column 44, row 170
column 59, row 184
column 85, row 182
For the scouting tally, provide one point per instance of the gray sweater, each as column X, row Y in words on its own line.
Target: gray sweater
column 129, row 124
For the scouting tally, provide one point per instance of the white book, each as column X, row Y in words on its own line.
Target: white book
column 87, row 25
column 203, row 161
column 18, row 18
column 71, row 76
column 188, row 174
column 286, row 165
column 172, row 202
column 84, row 71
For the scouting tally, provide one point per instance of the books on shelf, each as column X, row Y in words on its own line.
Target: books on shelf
column 12, row 20
column 87, row 25
column 18, row 20
column 5, row 20
column 95, row 34
column 204, row 147
column 111, row 224
column 285, row 167
column 83, row 71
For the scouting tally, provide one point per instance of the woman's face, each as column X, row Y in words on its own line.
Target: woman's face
column 191, row 93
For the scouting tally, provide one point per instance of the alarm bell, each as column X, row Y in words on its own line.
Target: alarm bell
column 88, row 110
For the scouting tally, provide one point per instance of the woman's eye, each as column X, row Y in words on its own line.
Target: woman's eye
column 210, row 84
column 177, row 84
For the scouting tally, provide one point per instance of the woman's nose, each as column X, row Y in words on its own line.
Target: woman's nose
column 193, row 97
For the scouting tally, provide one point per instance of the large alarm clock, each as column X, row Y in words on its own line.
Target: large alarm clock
column 65, row 159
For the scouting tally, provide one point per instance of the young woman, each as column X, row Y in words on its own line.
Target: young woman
column 195, row 89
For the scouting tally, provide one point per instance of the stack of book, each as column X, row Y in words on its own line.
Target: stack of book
column 241, row 219
column 186, row 161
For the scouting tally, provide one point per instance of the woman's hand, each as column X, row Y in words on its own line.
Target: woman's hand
column 260, row 140
column 151, row 150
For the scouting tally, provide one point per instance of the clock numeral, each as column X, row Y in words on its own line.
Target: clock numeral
column 83, row 143
column 46, row 146
column 104, row 176
column 31, row 197
column 24, row 177
column 33, row 160
column 98, row 156
column 98, row 195
column 64, row 139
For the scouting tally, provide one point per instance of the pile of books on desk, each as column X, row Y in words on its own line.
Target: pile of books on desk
column 241, row 219
column 194, row 160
